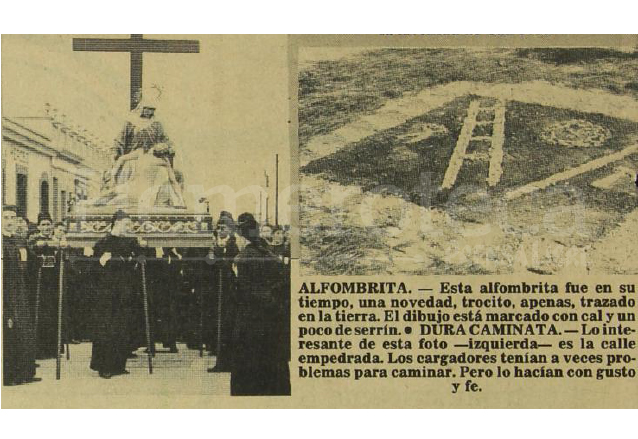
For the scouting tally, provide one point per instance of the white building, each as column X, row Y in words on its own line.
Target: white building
column 47, row 164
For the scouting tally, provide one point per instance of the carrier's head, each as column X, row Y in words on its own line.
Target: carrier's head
column 266, row 232
column 247, row 227
column 120, row 223
column 22, row 227
column 59, row 231
column 225, row 225
column 278, row 236
column 45, row 225
column 8, row 220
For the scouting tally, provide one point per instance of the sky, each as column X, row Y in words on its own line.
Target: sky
column 226, row 108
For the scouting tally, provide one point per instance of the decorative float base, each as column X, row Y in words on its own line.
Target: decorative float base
column 174, row 229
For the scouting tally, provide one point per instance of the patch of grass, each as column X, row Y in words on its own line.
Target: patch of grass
column 366, row 163
column 577, row 55
column 483, row 130
column 622, row 200
column 485, row 116
column 334, row 93
column 341, row 251
column 529, row 158
column 385, row 162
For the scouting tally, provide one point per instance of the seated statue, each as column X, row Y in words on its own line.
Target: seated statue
column 142, row 175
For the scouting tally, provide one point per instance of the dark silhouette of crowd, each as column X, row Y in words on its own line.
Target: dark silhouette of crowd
column 230, row 300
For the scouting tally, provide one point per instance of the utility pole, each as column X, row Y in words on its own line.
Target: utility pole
column 261, row 210
column 276, row 189
column 267, row 185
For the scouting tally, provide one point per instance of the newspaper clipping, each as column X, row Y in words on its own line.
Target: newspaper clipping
column 345, row 221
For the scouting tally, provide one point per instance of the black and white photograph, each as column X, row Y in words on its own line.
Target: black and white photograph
column 145, row 245
column 334, row 221
column 468, row 160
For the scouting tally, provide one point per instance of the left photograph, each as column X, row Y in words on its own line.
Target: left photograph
column 145, row 216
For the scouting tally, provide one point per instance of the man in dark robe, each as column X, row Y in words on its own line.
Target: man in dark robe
column 266, row 232
column 278, row 243
column 260, row 363
column 18, row 341
column 280, row 247
column 164, row 277
column 45, row 276
column 73, row 287
column 79, row 294
column 182, row 297
column 222, row 297
column 198, row 284
column 118, row 279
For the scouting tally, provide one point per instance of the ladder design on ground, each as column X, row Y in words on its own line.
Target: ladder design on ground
column 494, row 154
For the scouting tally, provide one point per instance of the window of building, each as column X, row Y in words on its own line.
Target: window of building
column 56, row 206
column 44, row 196
column 62, row 205
column 21, row 194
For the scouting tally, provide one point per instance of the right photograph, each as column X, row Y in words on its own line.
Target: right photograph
column 460, row 161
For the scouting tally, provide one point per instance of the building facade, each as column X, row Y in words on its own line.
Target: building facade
column 48, row 164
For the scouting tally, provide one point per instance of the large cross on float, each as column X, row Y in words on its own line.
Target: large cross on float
column 136, row 45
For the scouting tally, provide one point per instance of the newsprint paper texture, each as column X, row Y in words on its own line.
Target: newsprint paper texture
column 319, row 221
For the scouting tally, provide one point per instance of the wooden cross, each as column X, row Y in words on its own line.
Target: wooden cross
column 136, row 46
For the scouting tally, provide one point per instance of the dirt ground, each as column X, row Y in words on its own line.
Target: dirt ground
column 359, row 216
column 365, row 233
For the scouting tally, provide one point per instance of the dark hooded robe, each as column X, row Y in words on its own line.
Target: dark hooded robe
column 18, row 341
column 260, row 355
column 198, row 284
column 220, row 309
column 118, row 285
column 283, row 253
column 44, row 274
column 164, row 280
column 79, row 294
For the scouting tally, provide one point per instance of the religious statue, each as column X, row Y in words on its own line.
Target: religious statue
column 143, row 174
column 142, row 181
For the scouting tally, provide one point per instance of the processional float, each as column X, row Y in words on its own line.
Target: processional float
column 142, row 182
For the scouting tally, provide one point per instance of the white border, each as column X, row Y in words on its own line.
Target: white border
column 323, row 16
column 319, row 424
